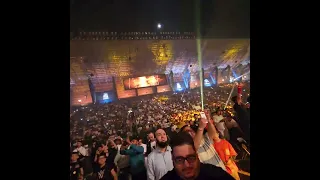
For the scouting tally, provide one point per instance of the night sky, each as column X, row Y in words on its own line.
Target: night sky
column 219, row 18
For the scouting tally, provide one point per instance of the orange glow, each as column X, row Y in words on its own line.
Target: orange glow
column 145, row 91
column 164, row 88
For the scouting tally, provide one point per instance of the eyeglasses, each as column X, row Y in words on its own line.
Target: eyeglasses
column 180, row 160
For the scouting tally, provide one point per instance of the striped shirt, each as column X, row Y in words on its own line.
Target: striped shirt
column 207, row 154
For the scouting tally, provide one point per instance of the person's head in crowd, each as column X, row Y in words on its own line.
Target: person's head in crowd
column 151, row 137
column 188, row 129
column 161, row 138
column 228, row 117
column 184, row 156
column 74, row 156
column 140, row 142
column 118, row 141
column 134, row 140
column 100, row 147
column 219, row 112
column 234, row 99
column 110, row 144
column 214, row 114
column 79, row 144
column 125, row 143
column 191, row 123
column 94, row 144
column 102, row 159
column 104, row 148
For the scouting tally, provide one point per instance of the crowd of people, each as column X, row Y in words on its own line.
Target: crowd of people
column 162, row 136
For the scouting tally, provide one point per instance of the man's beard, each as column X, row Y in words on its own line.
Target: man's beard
column 162, row 144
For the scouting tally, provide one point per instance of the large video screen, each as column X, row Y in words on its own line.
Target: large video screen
column 179, row 86
column 145, row 81
column 105, row 97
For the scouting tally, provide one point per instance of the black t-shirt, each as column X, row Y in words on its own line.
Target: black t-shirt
column 235, row 133
column 241, row 112
column 112, row 154
column 103, row 173
column 93, row 153
column 75, row 170
column 207, row 171
column 243, row 119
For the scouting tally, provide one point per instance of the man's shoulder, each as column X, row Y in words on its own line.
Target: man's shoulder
column 209, row 167
column 214, row 172
column 171, row 175
column 150, row 155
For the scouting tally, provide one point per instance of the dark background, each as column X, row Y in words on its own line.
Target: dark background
column 226, row 18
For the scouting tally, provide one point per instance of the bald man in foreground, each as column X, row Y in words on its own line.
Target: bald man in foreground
column 159, row 160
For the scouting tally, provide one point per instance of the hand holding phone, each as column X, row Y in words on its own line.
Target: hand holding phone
column 203, row 116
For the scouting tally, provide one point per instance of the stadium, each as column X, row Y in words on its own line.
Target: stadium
column 154, row 96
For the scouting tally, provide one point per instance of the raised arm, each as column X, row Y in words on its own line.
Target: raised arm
column 211, row 128
column 138, row 149
column 112, row 143
column 114, row 174
column 239, row 99
column 199, row 135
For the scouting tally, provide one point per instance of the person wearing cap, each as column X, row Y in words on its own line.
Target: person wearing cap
column 135, row 152
column 104, row 171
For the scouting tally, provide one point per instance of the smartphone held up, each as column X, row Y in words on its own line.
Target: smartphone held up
column 203, row 116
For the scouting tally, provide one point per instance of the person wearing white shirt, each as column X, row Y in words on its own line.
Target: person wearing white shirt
column 219, row 123
column 159, row 160
column 80, row 149
column 143, row 145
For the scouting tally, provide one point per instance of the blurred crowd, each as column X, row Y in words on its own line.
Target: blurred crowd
column 165, row 136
